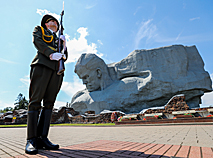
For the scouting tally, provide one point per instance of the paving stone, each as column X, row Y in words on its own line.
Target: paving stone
column 20, row 156
column 147, row 147
column 162, row 150
column 153, row 149
column 183, row 152
column 5, row 156
column 172, row 151
column 207, row 152
column 122, row 155
column 126, row 141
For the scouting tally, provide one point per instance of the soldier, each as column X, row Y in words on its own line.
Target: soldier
column 44, row 84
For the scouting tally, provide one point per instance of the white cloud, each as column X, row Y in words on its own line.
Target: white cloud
column 207, row 98
column 59, row 104
column 147, row 30
column 70, row 88
column 192, row 19
column 43, row 12
column 147, row 33
column 7, row 61
column 184, row 5
column 90, row 6
column 99, row 41
column 184, row 39
column 178, row 36
column 78, row 46
column 6, row 104
column 138, row 8
column 25, row 80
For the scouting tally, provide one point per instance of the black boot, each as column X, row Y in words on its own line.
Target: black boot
column 31, row 146
column 43, row 129
column 44, row 143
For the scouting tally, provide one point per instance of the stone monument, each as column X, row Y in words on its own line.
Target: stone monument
column 144, row 79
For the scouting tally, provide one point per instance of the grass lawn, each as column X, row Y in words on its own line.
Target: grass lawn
column 89, row 124
column 62, row 124
column 7, row 126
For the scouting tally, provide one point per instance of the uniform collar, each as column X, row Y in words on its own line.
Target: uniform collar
column 53, row 33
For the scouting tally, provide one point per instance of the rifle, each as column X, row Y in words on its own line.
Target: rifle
column 61, row 67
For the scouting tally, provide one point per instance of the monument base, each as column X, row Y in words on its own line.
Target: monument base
column 167, row 121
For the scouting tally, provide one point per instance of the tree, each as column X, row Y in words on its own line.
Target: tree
column 21, row 103
column 6, row 109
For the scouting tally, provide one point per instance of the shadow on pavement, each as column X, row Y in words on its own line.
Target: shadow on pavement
column 95, row 153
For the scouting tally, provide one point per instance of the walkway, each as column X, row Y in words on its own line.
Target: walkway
column 118, row 141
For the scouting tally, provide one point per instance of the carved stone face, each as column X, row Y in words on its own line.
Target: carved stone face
column 91, row 78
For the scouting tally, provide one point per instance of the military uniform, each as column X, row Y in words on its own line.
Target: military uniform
column 44, row 85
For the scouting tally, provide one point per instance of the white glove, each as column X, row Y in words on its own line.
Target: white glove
column 56, row 56
column 63, row 38
column 64, row 41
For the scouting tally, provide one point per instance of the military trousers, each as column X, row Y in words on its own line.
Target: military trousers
column 44, row 85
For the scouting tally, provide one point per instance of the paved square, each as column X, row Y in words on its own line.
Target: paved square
column 118, row 141
column 112, row 149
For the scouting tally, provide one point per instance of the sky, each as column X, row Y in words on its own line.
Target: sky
column 112, row 29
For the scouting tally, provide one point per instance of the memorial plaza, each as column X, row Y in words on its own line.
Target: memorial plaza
column 152, row 141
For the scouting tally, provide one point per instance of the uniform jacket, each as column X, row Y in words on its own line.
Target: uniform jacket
column 46, row 44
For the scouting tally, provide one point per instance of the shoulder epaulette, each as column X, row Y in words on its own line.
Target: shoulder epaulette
column 47, row 36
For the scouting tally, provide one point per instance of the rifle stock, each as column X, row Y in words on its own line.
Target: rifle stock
column 61, row 67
